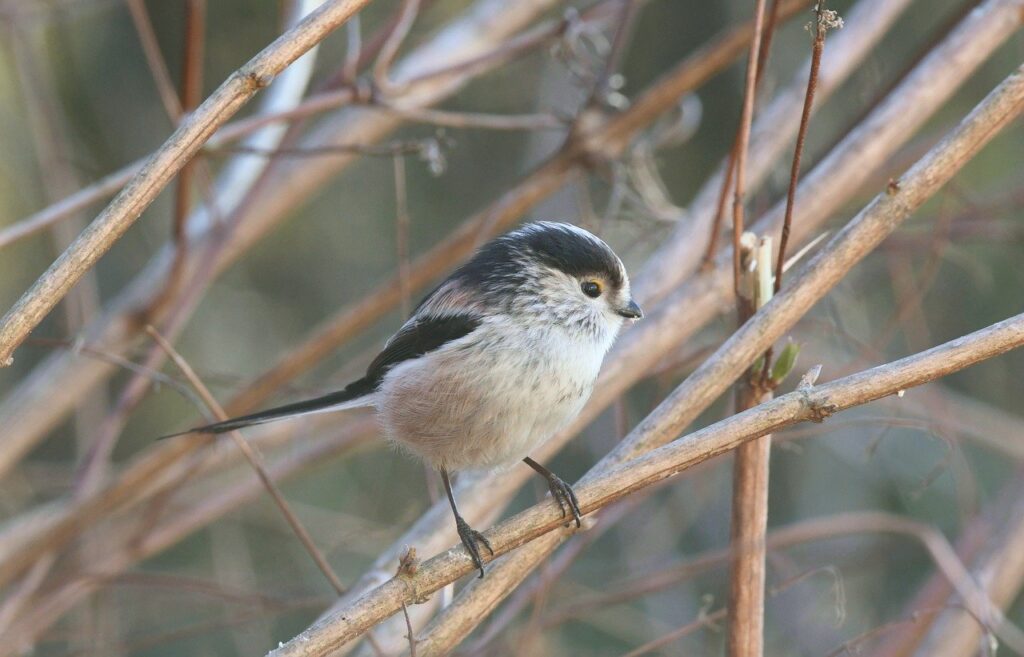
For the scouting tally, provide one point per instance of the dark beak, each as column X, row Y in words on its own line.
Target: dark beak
column 631, row 311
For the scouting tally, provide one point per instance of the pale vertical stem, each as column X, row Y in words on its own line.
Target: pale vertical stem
column 743, row 139
column 746, row 605
column 750, row 484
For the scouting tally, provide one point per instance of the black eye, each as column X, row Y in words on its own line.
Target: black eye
column 591, row 288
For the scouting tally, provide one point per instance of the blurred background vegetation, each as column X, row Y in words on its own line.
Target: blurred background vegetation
column 244, row 583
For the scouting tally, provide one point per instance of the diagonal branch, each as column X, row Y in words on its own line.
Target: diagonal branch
column 605, row 140
column 161, row 167
column 682, row 314
column 695, row 394
column 253, row 457
column 36, row 406
column 811, row 404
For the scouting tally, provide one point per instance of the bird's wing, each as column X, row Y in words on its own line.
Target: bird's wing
column 419, row 336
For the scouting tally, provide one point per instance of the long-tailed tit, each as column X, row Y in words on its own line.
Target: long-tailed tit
column 495, row 360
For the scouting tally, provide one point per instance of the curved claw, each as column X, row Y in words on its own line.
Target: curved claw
column 470, row 539
column 564, row 495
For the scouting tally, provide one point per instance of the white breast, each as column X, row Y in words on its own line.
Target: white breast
column 487, row 400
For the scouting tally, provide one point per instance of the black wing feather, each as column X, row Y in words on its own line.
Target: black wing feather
column 419, row 337
column 416, row 338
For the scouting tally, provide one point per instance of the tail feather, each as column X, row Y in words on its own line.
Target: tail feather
column 357, row 393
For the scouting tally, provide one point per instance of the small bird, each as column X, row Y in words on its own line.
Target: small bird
column 499, row 357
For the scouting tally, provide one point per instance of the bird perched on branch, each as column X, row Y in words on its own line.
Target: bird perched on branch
column 494, row 361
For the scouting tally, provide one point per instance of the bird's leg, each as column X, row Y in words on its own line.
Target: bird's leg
column 471, row 538
column 561, row 491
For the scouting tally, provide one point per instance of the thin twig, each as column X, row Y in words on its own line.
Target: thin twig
column 730, row 164
column 402, row 234
column 409, row 633
column 743, row 140
column 368, row 51
column 393, row 43
column 155, row 60
column 708, row 261
column 613, row 60
column 254, row 459
column 155, row 376
column 353, row 50
column 410, row 147
column 820, row 28
column 479, row 120
column 703, row 620
column 191, row 94
column 766, row 39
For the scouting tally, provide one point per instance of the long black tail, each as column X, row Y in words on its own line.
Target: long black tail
column 347, row 398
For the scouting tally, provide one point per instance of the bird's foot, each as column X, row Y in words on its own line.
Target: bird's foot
column 473, row 539
column 564, row 495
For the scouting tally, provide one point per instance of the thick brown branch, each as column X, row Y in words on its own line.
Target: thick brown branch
column 744, row 636
column 812, row 404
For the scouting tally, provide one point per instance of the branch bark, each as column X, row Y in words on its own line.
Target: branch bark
column 847, row 248
column 744, row 636
column 161, row 167
column 688, row 75
column 811, row 404
column 682, row 314
column 999, row 571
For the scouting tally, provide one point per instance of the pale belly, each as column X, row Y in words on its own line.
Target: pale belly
column 485, row 408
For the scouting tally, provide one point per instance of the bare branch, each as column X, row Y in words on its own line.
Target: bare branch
column 544, row 181
column 632, row 475
column 801, row 136
column 742, row 143
column 34, row 407
column 161, row 167
column 155, row 60
column 254, row 459
column 745, row 634
column 709, row 382
column 776, row 125
column 153, row 470
column 399, row 31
